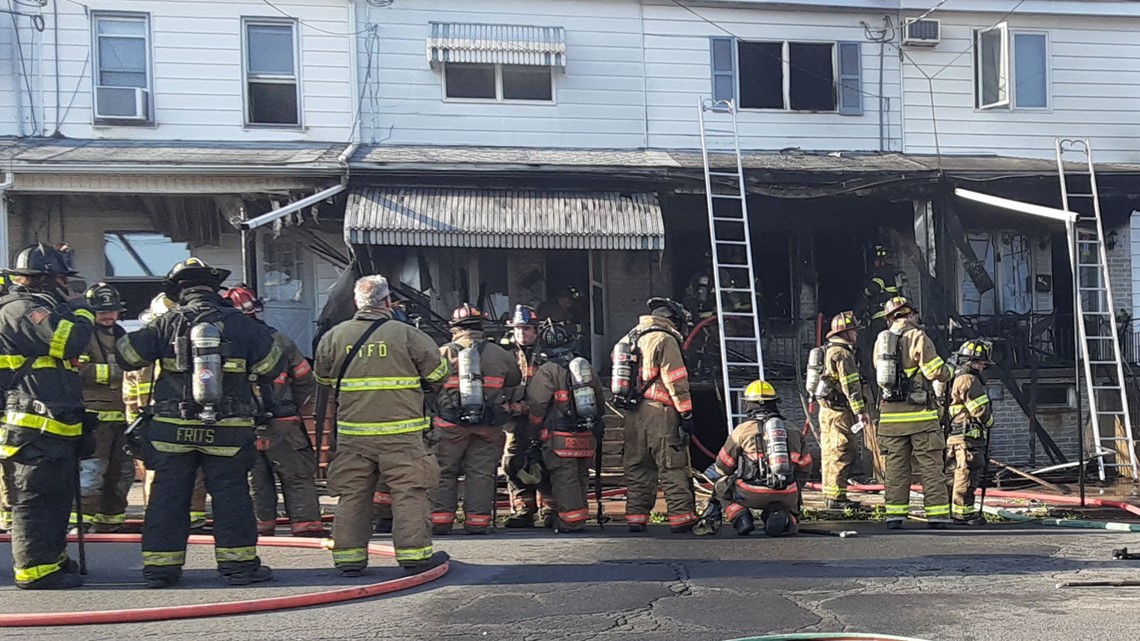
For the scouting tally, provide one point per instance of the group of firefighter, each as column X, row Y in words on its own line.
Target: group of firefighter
column 211, row 400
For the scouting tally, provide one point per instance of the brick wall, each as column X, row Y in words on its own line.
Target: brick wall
column 1120, row 270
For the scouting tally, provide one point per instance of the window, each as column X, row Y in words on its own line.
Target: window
column 1009, row 258
column 995, row 50
column 498, row 82
column 121, row 66
column 790, row 76
column 272, row 87
column 282, row 280
column 140, row 254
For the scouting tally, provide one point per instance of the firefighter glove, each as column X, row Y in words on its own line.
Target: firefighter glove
column 687, row 429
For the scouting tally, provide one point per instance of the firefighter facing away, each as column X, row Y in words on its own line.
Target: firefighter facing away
column 762, row 466
column 43, row 426
column 564, row 401
column 650, row 382
column 470, row 416
column 521, row 438
column 910, row 436
column 971, row 419
column 105, row 478
column 833, row 379
column 377, row 368
column 284, row 451
column 203, row 408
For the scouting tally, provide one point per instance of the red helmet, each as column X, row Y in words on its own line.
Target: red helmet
column 243, row 299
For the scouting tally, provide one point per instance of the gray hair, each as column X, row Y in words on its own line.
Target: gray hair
column 371, row 292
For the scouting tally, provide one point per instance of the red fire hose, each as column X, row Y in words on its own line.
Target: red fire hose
column 166, row 613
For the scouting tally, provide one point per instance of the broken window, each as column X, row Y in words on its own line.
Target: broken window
column 1009, row 257
column 140, row 255
column 808, row 67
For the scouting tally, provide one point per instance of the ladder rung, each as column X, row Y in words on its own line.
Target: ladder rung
column 1096, row 312
column 723, row 219
column 1099, row 338
column 735, row 290
column 731, row 266
column 741, row 364
column 741, row 339
column 724, row 174
column 1082, row 195
column 1102, row 362
column 737, row 315
column 730, row 242
column 1091, row 289
column 1111, row 387
column 729, row 196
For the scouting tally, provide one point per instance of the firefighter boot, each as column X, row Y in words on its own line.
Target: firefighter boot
column 522, row 519
column 709, row 523
column 779, row 522
column 53, row 581
column 248, row 576
column 383, row 526
column 842, row 504
column 744, row 524
column 434, row 561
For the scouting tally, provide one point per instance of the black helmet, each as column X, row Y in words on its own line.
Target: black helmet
column 43, row 260
column 467, row 316
column 101, row 297
column 195, row 271
column 552, row 334
column 524, row 316
column 670, row 309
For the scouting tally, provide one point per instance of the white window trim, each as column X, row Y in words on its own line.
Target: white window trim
column 127, row 15
column 498, row 99
column 1007, row 60
column 246, row 22
column 998, row 273
column 786, row 64
column 1048, row 69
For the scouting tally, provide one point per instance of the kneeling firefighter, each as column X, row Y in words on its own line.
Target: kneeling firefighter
column 203, row 418
column 471, row 416
column 762, row 466
column 565, row 405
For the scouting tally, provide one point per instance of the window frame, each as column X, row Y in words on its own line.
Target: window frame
column 499, row 99
column 294, row 25
column 786, row 66
column 1003, row 29
column 1013, row 33
column 998, row 274
column 148, row 38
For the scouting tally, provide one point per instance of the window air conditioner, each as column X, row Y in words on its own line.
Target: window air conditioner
column 122, row 103
column 921, row 33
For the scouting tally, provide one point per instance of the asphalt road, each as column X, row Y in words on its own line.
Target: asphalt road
column 995, row 583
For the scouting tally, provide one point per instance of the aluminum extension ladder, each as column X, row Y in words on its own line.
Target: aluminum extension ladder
column 1097, row 326
column 737, row 306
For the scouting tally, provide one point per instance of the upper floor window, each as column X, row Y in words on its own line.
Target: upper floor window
column 121, row 66
column 499, row 82
column 1011, row 69
column 272, row 87
column 788, row 76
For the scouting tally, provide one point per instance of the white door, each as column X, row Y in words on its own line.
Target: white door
column 599, row 319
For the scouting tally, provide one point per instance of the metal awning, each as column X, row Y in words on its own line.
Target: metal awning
column 496, row 43
column 432, row 217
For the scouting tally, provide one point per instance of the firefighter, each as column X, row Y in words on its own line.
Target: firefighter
column 565, row 307
column 884, row 283
column 762, row 466
column 6, row 488
column 284, row 452
column 566, row 410
column 906, row 365
column 842, row 406
column 971, row 418
column 203, row 418
column 377, row 368
column 471, row 417
column 523, row 346
column 43, row 428
column 137, row 386
column 659, row 419
column 106, row 478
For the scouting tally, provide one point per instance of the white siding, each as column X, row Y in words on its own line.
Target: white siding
column 1095, row 91
column 678, row 68
column 598, row 100
column 197, row 63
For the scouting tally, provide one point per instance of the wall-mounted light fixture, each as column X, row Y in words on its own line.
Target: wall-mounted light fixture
column 1110, row 242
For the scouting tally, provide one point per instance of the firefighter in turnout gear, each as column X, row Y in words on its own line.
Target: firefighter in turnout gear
column 762, row 466
column 43, row 428
column 842, row 406
column 906, row 365
column 971, row 419
column 564, row 398
column 377, row 368
column 284, row 450
column 523, row 345
column 658, row 418
column 137, row 387
column 885, row 282
column 470, row 416
column 106, row 478
column 203, row 408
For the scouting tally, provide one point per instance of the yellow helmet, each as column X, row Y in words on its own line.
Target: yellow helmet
column 978, row 350
column 897, row 306
column 760, row 392
column 842, row 322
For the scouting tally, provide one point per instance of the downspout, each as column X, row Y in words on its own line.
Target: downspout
column 9, row 179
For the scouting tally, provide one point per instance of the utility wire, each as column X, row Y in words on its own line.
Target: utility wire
column 314, row 28
column 23, row 65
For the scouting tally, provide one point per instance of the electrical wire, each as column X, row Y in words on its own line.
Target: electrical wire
column 314, row 28
column 23, row 64
column 79, row 82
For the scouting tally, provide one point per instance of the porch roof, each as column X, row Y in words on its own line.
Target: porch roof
column 503, row 218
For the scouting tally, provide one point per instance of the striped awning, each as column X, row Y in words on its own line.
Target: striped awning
column 506, row 44
column 434, row 217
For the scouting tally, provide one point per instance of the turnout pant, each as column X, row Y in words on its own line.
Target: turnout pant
column 474, row 453
column 382, row 502
column 738, row 496
column 839, row 449
column 654, row 454
column 408, row 469
column 921, row 452
column 105, row 479
column 42, row 495
column 569, row 480
column 286, row 454
column 965, row 464
column 167, row 522
column 7, row 491
column 524, row 500
column 197, row 498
